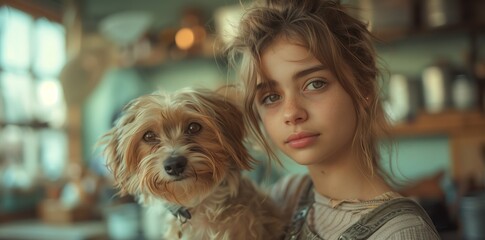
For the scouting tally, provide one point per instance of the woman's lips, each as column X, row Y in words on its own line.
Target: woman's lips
column 301, row 140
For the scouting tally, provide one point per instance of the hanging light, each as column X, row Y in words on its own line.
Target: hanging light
column 185, row 38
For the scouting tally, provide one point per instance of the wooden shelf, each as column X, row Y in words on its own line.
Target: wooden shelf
column 33, row 124
column 395, row 35
column 449, row 122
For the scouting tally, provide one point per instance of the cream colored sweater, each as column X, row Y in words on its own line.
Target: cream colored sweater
column 329, row 219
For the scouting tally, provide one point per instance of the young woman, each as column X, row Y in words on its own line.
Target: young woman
column 310, row 83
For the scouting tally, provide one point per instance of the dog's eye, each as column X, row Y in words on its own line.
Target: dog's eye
column 194, row 128
column 150, row 137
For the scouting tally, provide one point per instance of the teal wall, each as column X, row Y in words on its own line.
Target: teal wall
column 418, row 157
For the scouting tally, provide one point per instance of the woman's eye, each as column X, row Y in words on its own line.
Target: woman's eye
column 316, row 84
column 194, row 128
column 150, row 137
column 271, row 98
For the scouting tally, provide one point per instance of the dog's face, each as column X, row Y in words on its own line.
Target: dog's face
column 176, row 147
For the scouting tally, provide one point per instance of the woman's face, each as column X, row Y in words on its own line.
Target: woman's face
column 303, row 107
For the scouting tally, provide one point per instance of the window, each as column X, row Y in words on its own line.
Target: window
column 32, row 105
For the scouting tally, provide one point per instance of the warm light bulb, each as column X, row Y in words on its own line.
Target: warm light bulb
column 184, row 38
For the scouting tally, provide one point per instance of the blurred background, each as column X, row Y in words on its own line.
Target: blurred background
column 67, row 68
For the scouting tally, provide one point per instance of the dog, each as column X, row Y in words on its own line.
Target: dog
column 184, row 151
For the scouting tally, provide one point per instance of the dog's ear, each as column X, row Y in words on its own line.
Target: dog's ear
column 235, row 130
column 230, row 121
column 117, row 147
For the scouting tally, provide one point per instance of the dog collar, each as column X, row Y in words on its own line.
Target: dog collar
column 180, row 212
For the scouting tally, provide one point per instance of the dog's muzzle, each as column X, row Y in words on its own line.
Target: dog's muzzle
column 175, row 165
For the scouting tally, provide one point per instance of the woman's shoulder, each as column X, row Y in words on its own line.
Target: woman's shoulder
column 406, row 226
column 409, row 222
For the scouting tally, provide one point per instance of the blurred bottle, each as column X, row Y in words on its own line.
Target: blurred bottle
column 404, row 98
column 437, row 80
column 463, row 92
column 440, row 13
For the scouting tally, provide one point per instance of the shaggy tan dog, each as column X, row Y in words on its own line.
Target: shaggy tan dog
column 185, row 152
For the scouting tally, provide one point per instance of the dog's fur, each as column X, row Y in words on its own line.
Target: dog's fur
column 208, row 131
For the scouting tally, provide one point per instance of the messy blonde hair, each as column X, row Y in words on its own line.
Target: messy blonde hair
column 337, row 39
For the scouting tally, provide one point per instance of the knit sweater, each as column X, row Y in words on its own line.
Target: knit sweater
column 329, row 218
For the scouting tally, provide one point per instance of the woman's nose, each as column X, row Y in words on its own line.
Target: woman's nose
column 294, row 112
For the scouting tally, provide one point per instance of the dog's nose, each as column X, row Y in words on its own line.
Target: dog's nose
column 175, row 165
